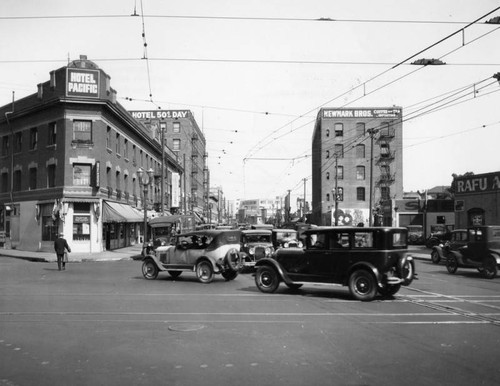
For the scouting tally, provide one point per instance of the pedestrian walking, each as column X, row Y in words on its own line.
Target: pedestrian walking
column 60, row 246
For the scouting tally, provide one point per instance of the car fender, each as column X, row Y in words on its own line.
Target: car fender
column 496, row 254
column 215, row 266
column 273, row 263
column 367, row 267
column 152, row 257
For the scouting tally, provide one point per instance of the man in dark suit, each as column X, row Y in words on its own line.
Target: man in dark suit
column 60, row 245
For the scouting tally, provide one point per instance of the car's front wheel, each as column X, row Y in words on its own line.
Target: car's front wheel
column 149, row 270
column 451, row 264
column 204, row 271
column 435, row 257
column 267, row 279
column 490, row 267
column 362, row 285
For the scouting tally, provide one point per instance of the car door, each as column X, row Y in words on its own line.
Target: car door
column 321, row 258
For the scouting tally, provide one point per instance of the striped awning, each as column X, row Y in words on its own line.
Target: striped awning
column 117, row 212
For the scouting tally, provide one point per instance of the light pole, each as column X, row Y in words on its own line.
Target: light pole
column 163, row 127
column 145, row 181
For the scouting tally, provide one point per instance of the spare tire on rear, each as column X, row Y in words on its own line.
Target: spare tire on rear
column 233, row 260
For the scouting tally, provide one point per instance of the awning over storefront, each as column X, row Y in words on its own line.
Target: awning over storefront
column 116, row 212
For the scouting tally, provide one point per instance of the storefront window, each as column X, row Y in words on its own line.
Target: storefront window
column 81, row 221
column 49, row 226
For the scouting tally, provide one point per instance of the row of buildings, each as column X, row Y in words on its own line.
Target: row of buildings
column 74, row 160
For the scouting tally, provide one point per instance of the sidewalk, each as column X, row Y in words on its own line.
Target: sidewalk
column 128, row 253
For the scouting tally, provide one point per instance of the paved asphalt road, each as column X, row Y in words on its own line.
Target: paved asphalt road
column 101, row 323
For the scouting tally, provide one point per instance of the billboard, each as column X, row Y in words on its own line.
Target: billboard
column 362, row 113
column 82, row 83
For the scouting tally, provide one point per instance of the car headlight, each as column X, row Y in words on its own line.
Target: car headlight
column 268, row 251
column 286, row 244
column 251, row 250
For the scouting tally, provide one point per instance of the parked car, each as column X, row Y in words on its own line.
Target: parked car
column 367, row 260
column 256, row 244
column 439, row 235
column 455, row 240
column 415, row 234
column 205, row 253
column 481, row 252
column 285, row 238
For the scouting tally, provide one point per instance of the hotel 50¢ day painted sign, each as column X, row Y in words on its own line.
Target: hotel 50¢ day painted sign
column 82, row 83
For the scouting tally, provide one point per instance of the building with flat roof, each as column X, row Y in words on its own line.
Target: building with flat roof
column 357, row 165
column 69, row 161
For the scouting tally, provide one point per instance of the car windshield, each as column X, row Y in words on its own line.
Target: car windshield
column 286, row 235
column 256, row 238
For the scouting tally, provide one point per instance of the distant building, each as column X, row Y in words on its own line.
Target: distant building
column 358, row 151
column 477, row 199
column 183, row 136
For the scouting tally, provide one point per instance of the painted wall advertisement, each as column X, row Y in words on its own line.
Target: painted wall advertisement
column 351, row 217
column 82, row 83
column 176, row 190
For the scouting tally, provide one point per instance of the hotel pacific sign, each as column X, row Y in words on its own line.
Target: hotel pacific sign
column 82, row 83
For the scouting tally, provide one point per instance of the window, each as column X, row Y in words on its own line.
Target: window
column 360, row 172
column 81, row 174
column 360, row 194
column 328, row 197
column 5, row 145
column 52, row 134
column 134, row 154
column 384, row 150
column 51, row 176
column 339, row 129
column 32, row 178
column 82, row 131
column 118, row 144
column 360, row 151
column 385, row 171
column 385, row 193
column 125, row 148
column 176, row 144
column 363, row 240
column 18, row 142
column 108, row 137
column 340, row 172
column 360, row 129
column 33, row 138
column 81, row 221
column 327, row 133
column 339, row 151
column 328, row 154
column 17, row 180
column 5, row 183
column 177, row 127
column 327, row 175
column 108, row 177
column 118, row 181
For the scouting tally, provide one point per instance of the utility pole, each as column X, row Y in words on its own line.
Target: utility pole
column 163, row 126
column 336, row 190
column 372, row 133
column 304, row 203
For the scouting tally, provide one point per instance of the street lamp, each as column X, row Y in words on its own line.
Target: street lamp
column 145, row 181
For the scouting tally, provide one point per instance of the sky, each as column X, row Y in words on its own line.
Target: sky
column 255, row 73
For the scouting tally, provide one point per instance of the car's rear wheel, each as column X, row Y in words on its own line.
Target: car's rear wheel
column 175, row 274
column 435, row 257
column 267, row 279
column 490, row 267
column 149, row 270
column 229, row 275
column 452, row 264
column 204, row 271
column 389, row 290
column 362, row 285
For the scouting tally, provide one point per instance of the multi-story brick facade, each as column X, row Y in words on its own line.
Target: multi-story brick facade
column 183, row 136
column 69, row 158
column 358, row 151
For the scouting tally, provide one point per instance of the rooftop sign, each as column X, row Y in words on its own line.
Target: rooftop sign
column 160, row 114
column 362, row 113
column 82, row 83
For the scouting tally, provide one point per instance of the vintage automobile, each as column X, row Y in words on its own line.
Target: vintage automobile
column 456, row 239
column 206, row 253
column 415, row 234
column 367, row 260
column 256, row 244
column 285, row 238
column 482, row 252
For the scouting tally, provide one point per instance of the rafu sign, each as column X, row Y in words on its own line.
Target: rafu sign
column 478, row 183
column 82, row 83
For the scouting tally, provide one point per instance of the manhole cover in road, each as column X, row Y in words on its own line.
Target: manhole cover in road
column 185, row 327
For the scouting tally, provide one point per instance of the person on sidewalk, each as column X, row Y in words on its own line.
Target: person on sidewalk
column 60, row 246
